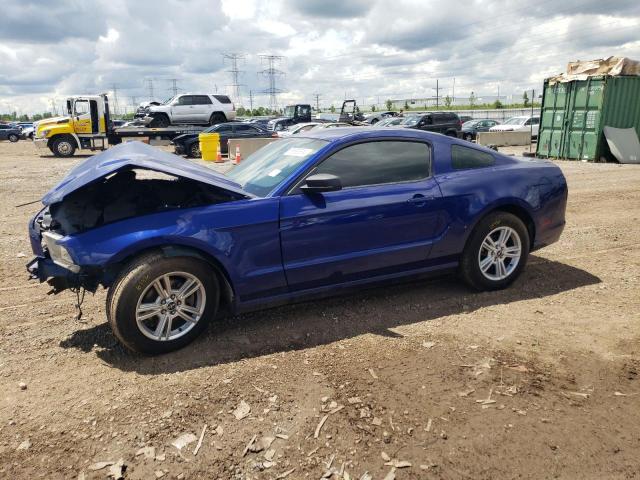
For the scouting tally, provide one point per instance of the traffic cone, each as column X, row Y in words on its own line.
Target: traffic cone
column 219, row 155
column 236, row 160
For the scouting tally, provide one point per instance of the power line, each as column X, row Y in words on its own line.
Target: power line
column 272, row 73
column 174, row 86
column 149, row 82
column 115, row 100
column 235, row 73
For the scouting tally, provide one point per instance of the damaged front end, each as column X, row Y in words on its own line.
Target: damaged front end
column 125, row 182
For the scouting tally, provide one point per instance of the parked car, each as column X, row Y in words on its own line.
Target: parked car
column 390, row 122
column 297, row 129
column 322, row 125
column 301, row 218
column 376, row 117
column 10, row 132
column 191, row 109
column 189, row 143
column 522, row 123
column 465, row 118
column 446, row 123
column 26, row 130
column 471, row 128
column 263, row 122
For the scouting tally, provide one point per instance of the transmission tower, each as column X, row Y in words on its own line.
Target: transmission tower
column 115, row 100
column 317, row 95
column 235, row 73
column 149, row 82
column 174, row 86
column 251, row 100
column 272, row 73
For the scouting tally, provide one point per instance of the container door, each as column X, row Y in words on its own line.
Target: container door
column 584, row 127
column 554, row 110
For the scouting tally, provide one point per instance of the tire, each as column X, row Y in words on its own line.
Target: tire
column 477, row 257
column 468, row 137
column 161, row 121
column 194, row 150
column 13, row 138
column 217, row 118
column 134, row 286
column 64, row 146
column 374, row 121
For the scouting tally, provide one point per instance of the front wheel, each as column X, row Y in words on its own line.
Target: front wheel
column 496, row 252
column 161, row 304
column 161, row 121
column 194, row 150
column 217, row 118
column 63, row 147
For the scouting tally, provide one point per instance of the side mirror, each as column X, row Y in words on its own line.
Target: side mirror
column 321, row 182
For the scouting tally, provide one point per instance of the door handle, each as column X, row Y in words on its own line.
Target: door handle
column 419, row 199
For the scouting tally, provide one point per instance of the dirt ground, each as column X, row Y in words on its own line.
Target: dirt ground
column 420, row 380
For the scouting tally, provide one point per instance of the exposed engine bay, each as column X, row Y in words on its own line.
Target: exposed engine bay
column 124, row 194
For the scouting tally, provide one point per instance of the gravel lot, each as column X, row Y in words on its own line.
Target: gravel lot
column 424, row 380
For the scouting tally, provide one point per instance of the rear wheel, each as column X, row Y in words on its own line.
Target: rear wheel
column 63, row 146
column 13, row 138
column 496, row 252
column 217, row 118
column 161, row 304
column 468, row 137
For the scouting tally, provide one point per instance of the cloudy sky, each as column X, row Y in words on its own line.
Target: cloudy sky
column 370, row 50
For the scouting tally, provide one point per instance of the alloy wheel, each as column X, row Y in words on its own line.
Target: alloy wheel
column 500, row 253
column 170, row 306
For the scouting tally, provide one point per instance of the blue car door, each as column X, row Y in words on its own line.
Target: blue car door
column 383, row 221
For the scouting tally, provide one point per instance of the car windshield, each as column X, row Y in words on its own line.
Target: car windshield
column 516, row 121
column 470, row 123
column 265, row 169
column 289, row 111
column 410, row 121
column 167, row 102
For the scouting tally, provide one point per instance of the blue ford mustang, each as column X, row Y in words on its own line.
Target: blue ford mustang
column 301, row 218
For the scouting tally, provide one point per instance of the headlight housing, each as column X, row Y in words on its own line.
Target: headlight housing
column 59, row 254
column 44, row 133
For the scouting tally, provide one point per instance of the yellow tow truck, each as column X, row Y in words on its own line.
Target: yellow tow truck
column 88, row 126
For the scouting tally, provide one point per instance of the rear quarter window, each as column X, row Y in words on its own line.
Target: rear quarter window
column 463, row 158
column 222, row 98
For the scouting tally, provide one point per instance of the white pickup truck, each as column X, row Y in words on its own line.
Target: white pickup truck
column 192, row 109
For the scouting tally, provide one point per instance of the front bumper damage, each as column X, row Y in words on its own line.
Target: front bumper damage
column 44, row 269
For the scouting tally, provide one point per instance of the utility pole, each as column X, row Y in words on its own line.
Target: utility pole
column 453, row 93
column 174, row 86
column 235, row 73
column 149, row 82
column 251, row 101
column 437, row 89
column 115, row 100
column 272, row 73
column 317, row 95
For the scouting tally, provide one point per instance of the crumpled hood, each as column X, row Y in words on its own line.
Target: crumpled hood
column 137, row 155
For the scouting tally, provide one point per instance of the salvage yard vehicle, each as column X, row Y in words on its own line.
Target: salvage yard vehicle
column 10, row 132
column 89, row 126
column 293, row 114
column 471, row 128
column 189, row 143
column 446, row 123
column 304, row 217
column 519, row 124
column 298, row 129
column 191, row 109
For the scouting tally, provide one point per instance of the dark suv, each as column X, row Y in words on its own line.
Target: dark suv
column 10, row 132
column 446, row 123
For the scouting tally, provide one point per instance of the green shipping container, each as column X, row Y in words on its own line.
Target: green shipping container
column 575, row 113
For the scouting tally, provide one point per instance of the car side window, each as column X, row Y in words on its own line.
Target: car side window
column 535, row 120
column 375, row 163
column 201, row 100
column 224, row 128
column 464, row 157
column 185, row 100
column 242, row 128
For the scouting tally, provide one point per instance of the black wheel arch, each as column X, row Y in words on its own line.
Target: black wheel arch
column 514, row 209
column 227, row 291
